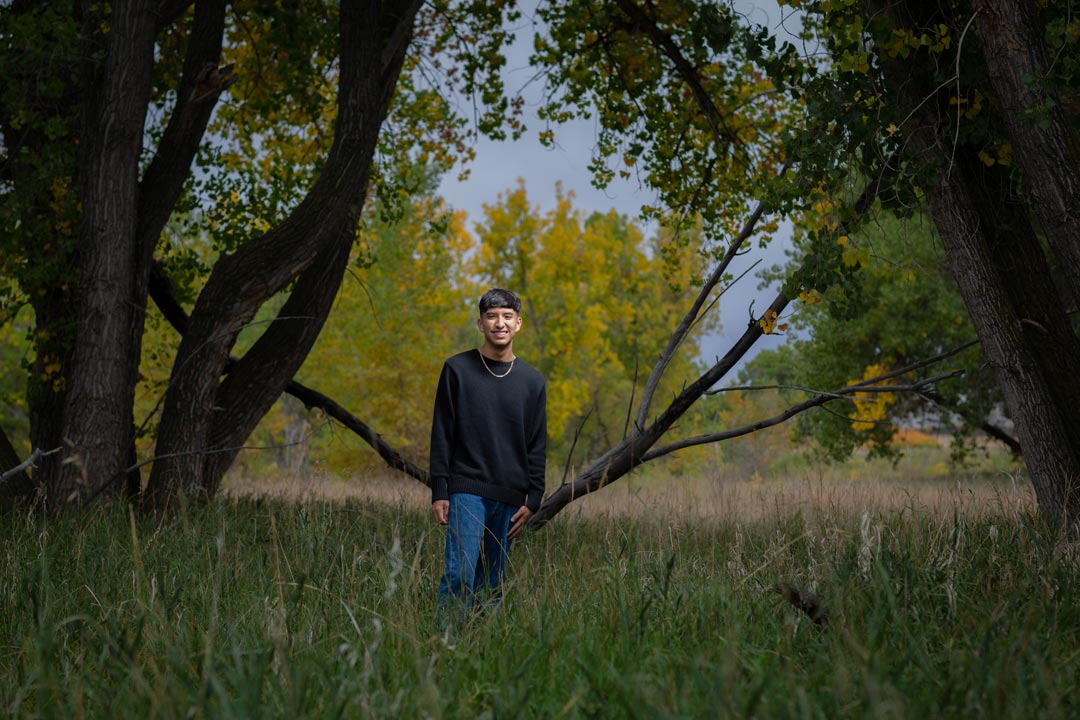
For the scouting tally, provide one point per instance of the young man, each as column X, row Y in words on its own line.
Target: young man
column 488, row 447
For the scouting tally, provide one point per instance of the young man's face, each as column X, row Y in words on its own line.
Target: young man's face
column 499, row 326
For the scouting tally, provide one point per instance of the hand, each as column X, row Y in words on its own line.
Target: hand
column 518, row 521
column 441, row 510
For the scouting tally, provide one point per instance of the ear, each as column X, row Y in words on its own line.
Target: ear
column 479, row 324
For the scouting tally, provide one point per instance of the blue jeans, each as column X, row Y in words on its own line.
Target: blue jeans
column 475, row 551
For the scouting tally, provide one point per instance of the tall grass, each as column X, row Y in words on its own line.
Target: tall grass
column 254, row 608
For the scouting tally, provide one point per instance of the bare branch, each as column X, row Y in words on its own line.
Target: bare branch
column 314, row 399
column 212, row 451
column 570, row 455
column 694, row 312
column 861, row 384
column 986, row 426
column 791, row 412
column 850, row 419
column 30, row 462
column 739, row 388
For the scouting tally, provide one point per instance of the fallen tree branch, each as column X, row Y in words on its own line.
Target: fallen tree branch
column 314, row 399
column 627, row 454
column 630, row 453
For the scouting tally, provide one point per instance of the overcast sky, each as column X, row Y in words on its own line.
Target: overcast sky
column 498, row 165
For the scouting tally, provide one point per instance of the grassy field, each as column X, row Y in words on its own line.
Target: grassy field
column 945, row 599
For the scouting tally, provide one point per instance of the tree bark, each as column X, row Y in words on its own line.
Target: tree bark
column 98, row 431
column 1044, row 148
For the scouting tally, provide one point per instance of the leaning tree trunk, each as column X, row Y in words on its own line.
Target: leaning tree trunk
column 1044, row 148
column 243, row 395
column 204, row 418
column 1007, row 287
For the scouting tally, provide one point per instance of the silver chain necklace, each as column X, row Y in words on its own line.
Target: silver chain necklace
column 489, row 369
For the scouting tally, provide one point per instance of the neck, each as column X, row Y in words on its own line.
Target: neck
column 503, row 354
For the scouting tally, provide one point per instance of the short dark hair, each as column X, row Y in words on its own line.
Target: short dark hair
column 499, row 298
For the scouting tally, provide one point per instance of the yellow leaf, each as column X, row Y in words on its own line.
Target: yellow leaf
column 872, row 408
column 768, row 322
column 1004, row 154
column 850, row 256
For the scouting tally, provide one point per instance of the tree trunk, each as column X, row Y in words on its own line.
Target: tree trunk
column 161, row 292
column 197, row 436
column 114, row 263
column 1004, row 278
column 98, row 431
column 46, row 386
column 40, row 176
column 1006, row 286
column 1044, row 148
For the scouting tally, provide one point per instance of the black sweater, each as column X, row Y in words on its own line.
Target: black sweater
column 488, row 434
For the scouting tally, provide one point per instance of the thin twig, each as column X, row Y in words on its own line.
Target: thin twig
column 28, row 462
column 817, row 401
column 215, row 451
column 570, row 455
